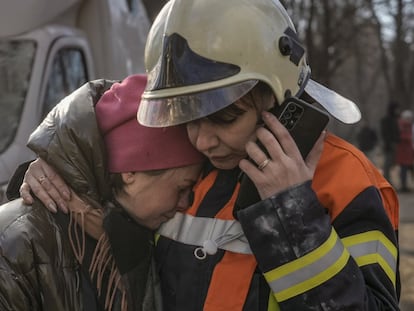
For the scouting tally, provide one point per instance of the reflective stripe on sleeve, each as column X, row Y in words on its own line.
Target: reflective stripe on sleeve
column 373, row 247
column 300, row 275
column 309, row 271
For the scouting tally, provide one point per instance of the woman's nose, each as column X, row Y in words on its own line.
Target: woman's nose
column 206, row 136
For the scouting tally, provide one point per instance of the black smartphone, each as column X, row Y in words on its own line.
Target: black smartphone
column 305, row 123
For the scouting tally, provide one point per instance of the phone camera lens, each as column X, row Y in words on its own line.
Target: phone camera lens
column 292, row 108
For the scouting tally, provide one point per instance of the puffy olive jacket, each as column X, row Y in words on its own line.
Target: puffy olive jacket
column 38, row 270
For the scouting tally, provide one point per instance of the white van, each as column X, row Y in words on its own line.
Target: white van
column 48, row 48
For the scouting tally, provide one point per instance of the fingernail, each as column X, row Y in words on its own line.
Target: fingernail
column 66, row 195
column 265, row 114
column 63, row 207
column 52, row 207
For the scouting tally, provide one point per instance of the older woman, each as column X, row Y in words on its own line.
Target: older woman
column 126, row 180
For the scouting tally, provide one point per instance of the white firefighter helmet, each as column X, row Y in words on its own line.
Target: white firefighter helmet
column 203, row 55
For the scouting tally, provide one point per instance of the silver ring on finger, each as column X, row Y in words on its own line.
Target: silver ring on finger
column 262, row 165
column 42, row 178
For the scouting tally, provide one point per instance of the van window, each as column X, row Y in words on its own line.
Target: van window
column 68, row 73
column 16, row 61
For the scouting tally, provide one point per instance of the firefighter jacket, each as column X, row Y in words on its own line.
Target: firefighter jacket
column 38, row 267
column 327, row 244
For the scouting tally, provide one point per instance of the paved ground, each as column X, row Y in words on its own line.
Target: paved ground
column 407, row 250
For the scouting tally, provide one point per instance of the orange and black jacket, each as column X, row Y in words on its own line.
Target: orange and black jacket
column 327, row 244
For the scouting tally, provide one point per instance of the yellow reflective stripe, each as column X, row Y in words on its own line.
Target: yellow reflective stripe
column 309, row 271
column 314, row 281
column 373, row 247
column 376, row 258
column 272, row 304
column 156, row 238
column 369, row 236
column 303, row 261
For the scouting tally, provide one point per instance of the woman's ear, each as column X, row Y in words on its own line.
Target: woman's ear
column 128, row 178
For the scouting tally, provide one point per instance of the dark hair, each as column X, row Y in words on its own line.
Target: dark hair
column 116, row 182
column 226, row 115
column 250, row 100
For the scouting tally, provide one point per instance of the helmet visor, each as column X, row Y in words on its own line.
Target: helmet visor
column 183, row 108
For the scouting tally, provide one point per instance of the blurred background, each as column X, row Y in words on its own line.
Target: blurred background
column 364, row 49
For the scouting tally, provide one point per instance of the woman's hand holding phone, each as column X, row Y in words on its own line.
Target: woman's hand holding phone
column 285, row 155
column 286, row 167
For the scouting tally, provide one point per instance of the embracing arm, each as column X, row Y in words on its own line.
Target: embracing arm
column 41, row 180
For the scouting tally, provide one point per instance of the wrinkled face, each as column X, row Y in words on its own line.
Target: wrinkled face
column 151, row 199
column 222, row 136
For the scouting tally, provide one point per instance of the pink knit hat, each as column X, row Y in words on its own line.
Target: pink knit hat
column 132, row 147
